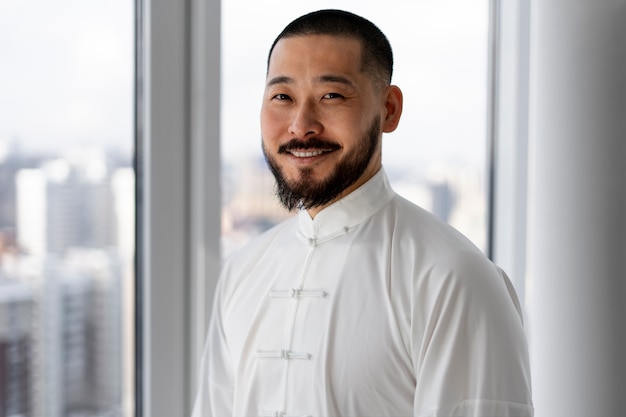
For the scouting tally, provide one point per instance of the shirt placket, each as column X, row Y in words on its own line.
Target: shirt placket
column 286, row 354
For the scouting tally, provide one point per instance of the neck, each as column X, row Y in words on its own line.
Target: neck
column 314, row 211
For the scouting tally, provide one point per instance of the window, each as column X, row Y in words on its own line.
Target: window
column 67, row 208
column 183, row 71
column 435, row 158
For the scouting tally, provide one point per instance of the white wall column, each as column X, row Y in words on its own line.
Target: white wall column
column 576, row 298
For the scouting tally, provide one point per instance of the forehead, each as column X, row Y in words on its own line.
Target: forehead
column 315, row 54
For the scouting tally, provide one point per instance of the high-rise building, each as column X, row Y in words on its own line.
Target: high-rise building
column 89, row 314
column 16, row 311
column 75, row 235
column 65, row 204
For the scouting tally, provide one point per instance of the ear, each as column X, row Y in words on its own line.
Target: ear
column 393, row 108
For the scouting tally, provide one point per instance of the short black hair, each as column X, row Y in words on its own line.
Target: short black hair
column 377, row 56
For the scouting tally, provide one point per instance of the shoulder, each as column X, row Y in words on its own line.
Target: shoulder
column 423, row 233
column 439, row 258
column 269, row 236
column 269, row 243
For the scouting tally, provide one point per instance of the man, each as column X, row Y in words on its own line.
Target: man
column 363, row 304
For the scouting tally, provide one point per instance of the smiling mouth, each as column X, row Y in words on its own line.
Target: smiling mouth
column 310, row 148
column 308, row 153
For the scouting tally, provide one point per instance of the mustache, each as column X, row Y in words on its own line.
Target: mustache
column 310, row 143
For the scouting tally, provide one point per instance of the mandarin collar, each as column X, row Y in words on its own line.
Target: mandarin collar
column 341, row 216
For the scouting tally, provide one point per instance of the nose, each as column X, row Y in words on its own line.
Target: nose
column 305, row 121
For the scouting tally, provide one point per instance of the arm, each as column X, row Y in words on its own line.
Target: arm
column 215, row 391
column 470, row 352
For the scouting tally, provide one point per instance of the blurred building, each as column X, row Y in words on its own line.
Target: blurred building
column 89, row 312
column 63, row 204
column 67, row 266
column 16, row 313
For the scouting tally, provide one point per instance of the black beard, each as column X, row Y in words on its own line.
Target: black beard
column 304, row 193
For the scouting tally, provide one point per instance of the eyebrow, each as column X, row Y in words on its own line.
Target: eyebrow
column 336, row 79
column 280, row 80
column 330, row 78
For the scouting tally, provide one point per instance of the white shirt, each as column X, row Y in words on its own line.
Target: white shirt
column 372, row 308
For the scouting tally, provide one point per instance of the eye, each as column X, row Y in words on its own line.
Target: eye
column 281, row 97
column 332, row 95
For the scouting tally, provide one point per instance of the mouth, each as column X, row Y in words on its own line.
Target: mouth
column 308, row 153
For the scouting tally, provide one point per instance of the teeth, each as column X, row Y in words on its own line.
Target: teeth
column 307, row 154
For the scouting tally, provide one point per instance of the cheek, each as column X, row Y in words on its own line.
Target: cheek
column 271, row 125
column 352, row 129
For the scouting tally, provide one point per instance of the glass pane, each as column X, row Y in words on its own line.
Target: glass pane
column 436, row 157
column 66, row 208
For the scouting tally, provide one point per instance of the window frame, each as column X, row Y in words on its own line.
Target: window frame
column 178, row 227
column 509, row 67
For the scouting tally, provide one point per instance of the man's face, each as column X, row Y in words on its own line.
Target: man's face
column 320, row 120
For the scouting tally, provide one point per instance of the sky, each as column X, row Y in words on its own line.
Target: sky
column 66, row 72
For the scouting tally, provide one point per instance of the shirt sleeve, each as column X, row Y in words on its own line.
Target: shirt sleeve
column 470, row 352
column 215, row 390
